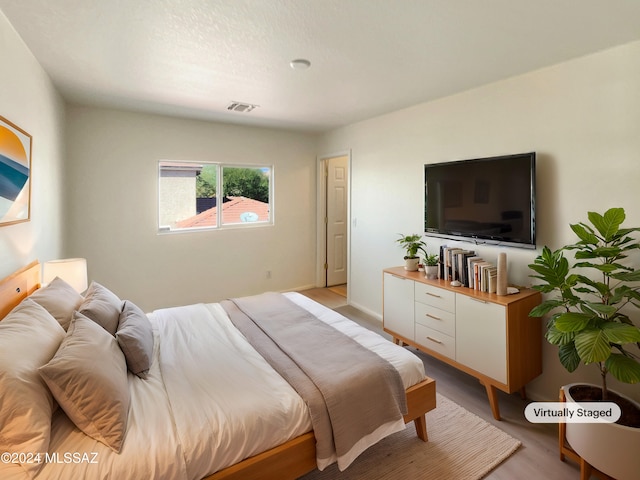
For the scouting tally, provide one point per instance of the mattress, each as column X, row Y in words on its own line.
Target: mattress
column 209, row 401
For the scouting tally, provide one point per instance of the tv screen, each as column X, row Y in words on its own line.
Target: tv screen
column 484, row 200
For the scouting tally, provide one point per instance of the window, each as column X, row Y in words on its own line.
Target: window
column 188, row 196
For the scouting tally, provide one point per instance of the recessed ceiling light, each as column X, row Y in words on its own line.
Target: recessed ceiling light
column 300, row 64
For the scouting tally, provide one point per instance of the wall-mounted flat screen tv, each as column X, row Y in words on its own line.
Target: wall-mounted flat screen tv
column 483, row 200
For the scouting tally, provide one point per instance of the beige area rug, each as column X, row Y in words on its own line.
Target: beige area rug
column 461, row 446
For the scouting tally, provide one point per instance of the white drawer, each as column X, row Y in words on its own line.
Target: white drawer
column 436, row 341
column 435, row 318
column 438, row 297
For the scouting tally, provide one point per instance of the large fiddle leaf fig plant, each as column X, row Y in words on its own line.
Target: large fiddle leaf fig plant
column 589, row 321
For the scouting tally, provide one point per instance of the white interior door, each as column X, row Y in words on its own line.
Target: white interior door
column 337, row 192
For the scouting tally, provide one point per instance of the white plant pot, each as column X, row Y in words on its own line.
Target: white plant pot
column 431, row 271
column 611, row 448
column 411, row 264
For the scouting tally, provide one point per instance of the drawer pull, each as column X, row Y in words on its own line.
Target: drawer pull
column 433, row 294
column 478, row 300
column 435, row 340
column 432, row 316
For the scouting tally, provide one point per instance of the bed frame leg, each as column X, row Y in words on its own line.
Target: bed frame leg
column 421, row 428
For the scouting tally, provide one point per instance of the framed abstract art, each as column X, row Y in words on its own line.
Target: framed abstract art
column 15, row 173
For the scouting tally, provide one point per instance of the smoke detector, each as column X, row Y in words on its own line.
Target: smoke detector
column 241, row 107
column 300, row 64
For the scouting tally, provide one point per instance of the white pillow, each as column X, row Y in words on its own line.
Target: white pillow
column 88, row 378
column 29, row 338
column 60, row 299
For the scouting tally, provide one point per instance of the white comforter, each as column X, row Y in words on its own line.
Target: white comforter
column 209, row 401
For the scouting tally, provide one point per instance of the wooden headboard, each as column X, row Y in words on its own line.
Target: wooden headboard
column 17, row 286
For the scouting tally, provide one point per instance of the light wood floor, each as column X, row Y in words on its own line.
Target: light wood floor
column 538, row 457
column 339, row 289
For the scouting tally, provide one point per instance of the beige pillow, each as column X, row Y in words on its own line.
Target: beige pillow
column 88, row 378
column 102, row 306
column 135, row 338
column 29, row 338
column 60, row 299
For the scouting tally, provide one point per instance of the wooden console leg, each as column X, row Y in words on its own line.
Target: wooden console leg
column 523, row 393
column 421, row 428
column 492, row 393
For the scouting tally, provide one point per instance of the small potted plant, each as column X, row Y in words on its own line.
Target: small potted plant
column 589, row 325
column 431, row 261
column 412, row 244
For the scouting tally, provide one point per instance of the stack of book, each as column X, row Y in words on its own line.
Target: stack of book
column 471, row 270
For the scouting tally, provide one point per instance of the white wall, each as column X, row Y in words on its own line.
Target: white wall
column 112, row 181
column 581, row 117
column 28, row 99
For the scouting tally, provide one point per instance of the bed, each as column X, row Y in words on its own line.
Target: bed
column 190, row 389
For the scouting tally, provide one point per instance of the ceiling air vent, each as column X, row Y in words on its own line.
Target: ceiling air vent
column 241, row 107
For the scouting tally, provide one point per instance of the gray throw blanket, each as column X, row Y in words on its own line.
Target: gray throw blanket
column 351, row 407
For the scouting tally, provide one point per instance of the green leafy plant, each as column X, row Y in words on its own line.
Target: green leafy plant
column 587, row 321
column 412, row 244
column 431, row 260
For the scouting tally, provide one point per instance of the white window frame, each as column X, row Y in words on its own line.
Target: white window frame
column 164, row 229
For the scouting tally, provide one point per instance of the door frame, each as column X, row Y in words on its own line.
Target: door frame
column 321, row 213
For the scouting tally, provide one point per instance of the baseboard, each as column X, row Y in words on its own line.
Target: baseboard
column 299, row 289
column 364, row 309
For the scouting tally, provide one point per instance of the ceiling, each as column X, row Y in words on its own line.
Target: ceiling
column 192, row 58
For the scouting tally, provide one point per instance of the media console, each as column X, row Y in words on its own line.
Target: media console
column 488, row 336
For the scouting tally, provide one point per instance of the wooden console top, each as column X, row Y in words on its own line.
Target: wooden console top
column 489, row 297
